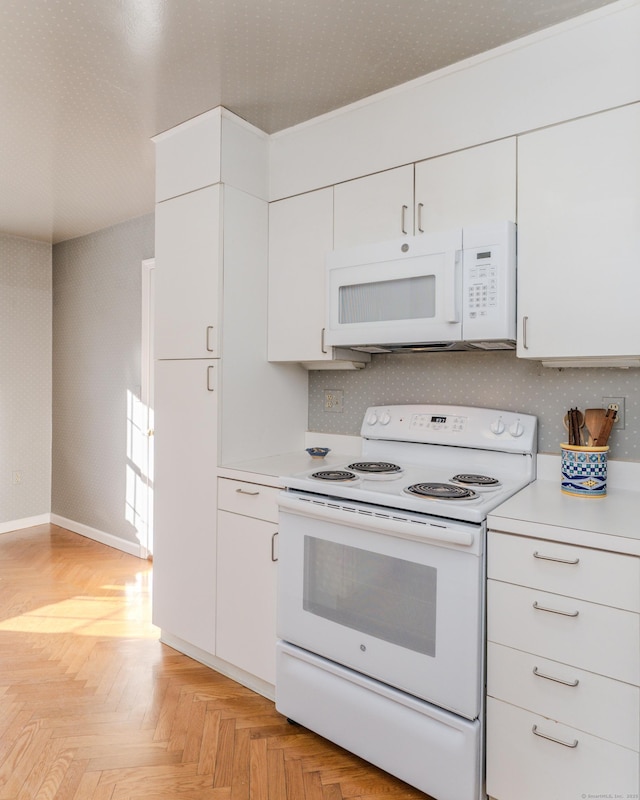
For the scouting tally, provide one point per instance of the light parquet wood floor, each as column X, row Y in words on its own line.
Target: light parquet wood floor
column 94, row 707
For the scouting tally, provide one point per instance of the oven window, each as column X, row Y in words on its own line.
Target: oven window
column 380, row 301
column 389, row 598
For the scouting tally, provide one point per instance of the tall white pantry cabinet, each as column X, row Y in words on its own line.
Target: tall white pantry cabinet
column 211, row 368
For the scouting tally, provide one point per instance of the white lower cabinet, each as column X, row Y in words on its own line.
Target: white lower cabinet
column 184, row 558
column 246, row 577
column 563, row 671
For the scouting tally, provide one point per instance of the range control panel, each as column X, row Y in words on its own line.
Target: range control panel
column 463, row 426
column 437, row 422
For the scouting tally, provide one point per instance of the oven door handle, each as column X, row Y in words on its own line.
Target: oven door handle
column 421, row 532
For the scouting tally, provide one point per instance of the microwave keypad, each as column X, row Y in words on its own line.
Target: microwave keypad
column 482, row 292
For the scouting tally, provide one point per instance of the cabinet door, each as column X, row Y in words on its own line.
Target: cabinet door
column 246, row 594
column 579, row 237
column 188, row 253
column 184, row 559
column 300, row 236
column 374, row 208
column 472, row 187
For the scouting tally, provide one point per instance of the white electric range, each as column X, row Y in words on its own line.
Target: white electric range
column 381, row 589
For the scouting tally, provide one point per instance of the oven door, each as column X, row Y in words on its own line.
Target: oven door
column 392, row 595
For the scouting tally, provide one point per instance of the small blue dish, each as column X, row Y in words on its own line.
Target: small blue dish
column 317, row 452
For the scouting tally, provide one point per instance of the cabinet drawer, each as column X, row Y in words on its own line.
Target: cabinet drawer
column 596, row 638
column 524, row 766
column 611, row 579
column 250, row 499
column 591, row 703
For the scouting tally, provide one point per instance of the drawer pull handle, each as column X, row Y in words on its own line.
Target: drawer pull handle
column 572, row 744
column 539, row 674
column 555, row 610
column 559, row 560
column 274, row 557
column 244, row 491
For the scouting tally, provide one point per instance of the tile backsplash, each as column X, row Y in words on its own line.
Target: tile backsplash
column 493, row 380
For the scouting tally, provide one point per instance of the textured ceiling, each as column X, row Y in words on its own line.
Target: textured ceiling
column 84, row 84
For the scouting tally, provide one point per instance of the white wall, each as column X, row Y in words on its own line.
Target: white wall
column 97, row 377
column 25, row 380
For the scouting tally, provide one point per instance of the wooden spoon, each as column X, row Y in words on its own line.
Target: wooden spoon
column 593, row 419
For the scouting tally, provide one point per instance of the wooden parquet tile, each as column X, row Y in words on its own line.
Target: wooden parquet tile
column 94, row 707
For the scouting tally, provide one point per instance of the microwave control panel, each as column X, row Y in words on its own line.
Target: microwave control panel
column 489, row 283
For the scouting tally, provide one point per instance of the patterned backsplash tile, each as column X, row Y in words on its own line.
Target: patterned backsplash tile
column 492, row 380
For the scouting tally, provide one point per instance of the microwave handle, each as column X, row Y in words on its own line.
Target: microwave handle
column 452, row 285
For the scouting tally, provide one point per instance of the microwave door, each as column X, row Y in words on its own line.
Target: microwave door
column 411, row 297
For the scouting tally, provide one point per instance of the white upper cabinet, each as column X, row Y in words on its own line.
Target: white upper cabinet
column 187, row 274
column 579, row 241
column 300, row 236
column 214, row 147
column 470, row 187
column 374, row 208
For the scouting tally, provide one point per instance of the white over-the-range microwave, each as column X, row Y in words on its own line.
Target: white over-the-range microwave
column 437, row 291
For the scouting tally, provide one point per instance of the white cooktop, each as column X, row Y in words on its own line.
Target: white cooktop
column 432, row 444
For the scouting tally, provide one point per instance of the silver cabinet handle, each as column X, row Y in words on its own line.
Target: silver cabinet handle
column 322, row 347
column 244, row 491
column 420, row 207
column 525, row 344
column 210, row 387
column 572, row 744
column 539, row 674
column 274, row 557
column 208, row 339
column 403, row 223
column 559, row 560
column 555, row 610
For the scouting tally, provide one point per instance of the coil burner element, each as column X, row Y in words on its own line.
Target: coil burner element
column 335, row 475
column 440, row 491
column 375, row 467
column 468, row 479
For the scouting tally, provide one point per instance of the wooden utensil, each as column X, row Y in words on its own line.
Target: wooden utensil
column 603, row 434
column 593, row 419
column 573, row 422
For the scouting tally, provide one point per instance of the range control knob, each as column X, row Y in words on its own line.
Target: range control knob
column 517, row 429
column 497, row 427
column 372, row 418
column 385, row 419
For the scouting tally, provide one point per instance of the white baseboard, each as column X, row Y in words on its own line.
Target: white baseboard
column 236, row 674
column 25, row 522
column 133, row 548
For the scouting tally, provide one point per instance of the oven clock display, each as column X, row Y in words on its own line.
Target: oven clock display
column 438, row 422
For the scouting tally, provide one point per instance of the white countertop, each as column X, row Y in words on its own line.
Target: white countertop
column 542, row 511
column 342, row 449
column 271, row 468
